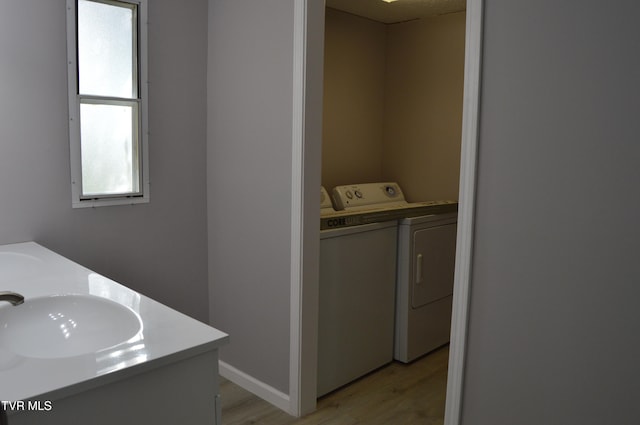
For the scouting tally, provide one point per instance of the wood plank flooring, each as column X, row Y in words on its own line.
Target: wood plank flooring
column 396, row 394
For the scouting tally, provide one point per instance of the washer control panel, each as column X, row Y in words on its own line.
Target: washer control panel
column 367, row 195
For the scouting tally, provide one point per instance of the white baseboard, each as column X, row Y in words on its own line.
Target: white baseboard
column 255, row 386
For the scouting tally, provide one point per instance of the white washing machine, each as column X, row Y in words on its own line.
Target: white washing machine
column 426, row 263
column 356, row 294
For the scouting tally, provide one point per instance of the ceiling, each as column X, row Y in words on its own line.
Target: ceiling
column 398, row 11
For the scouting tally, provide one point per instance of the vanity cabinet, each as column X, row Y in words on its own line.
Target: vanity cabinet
column 181, row 393
column 83, row 349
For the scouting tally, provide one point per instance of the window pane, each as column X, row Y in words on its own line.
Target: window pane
column 109, row 149
column 105, row 49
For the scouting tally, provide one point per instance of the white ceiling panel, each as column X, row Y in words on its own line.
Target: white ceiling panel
column 397, row 11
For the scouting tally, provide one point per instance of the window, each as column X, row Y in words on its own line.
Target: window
column 106, row 43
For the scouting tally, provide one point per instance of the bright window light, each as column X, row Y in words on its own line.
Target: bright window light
column 107, row 101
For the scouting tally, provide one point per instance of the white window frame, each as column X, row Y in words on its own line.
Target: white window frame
column 78, row 200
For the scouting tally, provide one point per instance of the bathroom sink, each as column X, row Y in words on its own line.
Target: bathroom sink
column 65, row 326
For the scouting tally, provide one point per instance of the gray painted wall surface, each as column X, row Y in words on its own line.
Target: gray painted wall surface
column 160, row 248
column 249, row 182
column 554, row 318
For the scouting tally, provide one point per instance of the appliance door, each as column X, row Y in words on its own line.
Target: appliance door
column 434, row 253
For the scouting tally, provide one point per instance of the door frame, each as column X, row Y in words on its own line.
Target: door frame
column 307, row 77
column 466, row 210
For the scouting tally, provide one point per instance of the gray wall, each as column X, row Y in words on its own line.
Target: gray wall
column 160, row 248
column 554, row 318
column 249, row 183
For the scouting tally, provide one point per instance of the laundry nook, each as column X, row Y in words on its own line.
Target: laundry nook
column 386, row 279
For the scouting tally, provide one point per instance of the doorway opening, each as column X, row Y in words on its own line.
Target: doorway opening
column 303, row 395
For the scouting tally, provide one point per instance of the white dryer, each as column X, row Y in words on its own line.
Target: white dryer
column 424, row 291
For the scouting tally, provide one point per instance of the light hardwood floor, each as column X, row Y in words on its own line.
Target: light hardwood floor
column 396, row 394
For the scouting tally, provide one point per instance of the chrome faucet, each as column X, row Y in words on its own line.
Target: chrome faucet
column 12, row 297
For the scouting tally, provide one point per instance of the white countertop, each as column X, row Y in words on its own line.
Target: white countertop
column 166, row 336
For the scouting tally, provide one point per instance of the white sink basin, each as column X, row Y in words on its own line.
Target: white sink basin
column 65, row 326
